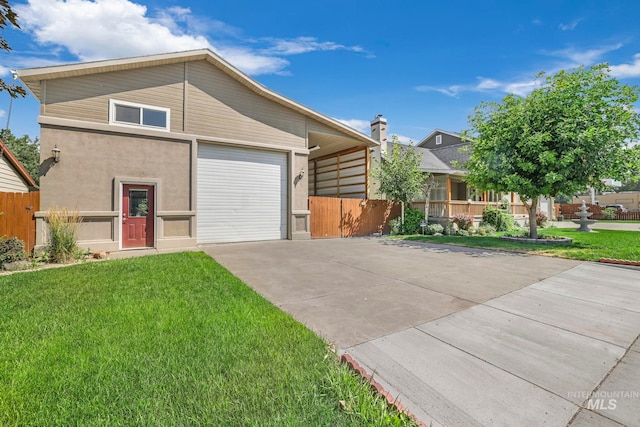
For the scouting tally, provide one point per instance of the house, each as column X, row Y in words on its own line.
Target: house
column 442, row 157
column 14, row 178
column 173, row 150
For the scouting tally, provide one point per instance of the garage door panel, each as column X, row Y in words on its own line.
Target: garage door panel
column 241, row 194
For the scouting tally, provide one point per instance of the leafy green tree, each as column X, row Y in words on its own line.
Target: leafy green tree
column 399, row 174
column 568, row 133
column 26, row 150
column 8, row 16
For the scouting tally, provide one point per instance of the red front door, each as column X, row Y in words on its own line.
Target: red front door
column 138, row 216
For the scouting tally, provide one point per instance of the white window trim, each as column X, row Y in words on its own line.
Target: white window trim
column 112, row 115
column 438, row 139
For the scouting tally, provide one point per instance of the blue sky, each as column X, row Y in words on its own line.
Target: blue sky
column 423, row 64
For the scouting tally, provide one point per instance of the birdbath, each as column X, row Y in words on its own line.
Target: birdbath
column 583, row 222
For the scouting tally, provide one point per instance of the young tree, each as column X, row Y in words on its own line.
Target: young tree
column 8, row 16
column 569, row 133
column 399, row 174
column 27, row 151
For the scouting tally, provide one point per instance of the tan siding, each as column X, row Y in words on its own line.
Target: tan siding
column 10, row 181
column 219, row 106
column 87, row 97
column 315, row 126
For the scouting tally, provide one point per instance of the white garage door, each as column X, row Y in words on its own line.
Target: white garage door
column 242, row 194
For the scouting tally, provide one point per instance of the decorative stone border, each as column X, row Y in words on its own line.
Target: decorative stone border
column 559, row 241
column 377, row 388
column 620, row 261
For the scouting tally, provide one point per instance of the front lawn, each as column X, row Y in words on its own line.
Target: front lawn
column 165, row 340
column 586, row 246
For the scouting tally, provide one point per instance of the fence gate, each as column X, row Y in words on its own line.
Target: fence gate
column 18, row 217
column 333, row 217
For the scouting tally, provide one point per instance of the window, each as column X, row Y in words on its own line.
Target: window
column 129, row 114
column 438, row 139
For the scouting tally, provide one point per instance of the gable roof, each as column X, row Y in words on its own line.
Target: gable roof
column 13, row 161
column 435, row 132
column 429, row 162
column 32, row 78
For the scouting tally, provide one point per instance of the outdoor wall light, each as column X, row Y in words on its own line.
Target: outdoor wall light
column 55, row 153
column 301, row 174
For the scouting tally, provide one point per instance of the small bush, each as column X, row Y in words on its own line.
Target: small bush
column 609, row 213
column 501, row 220
column 462, row 232
column 432, row 229
column 560, row 218
column 541, row 219
column 412, row 220
column 63, row 234
column 11, row 250
column 463, row 221
column 486, row 230
column 448, row 230
column 396, row 226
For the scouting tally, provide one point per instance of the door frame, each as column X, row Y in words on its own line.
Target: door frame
column 121, row 184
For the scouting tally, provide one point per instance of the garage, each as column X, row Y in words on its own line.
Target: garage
column 241, row 194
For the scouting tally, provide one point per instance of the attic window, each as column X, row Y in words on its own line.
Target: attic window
column 130, row 114
column 438, row 139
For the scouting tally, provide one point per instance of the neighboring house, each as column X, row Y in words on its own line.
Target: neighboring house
column 171, row 150
column 443, row 158
column 14, row 178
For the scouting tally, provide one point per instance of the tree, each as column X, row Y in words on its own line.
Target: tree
column 568, row 133
column 399, row 174
column 8, row 16
column 26, row 150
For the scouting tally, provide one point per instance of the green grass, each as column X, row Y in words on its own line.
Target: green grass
column 165, row 340
column 586, row 246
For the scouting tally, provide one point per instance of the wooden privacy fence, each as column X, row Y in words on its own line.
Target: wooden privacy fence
column 17, row 219
column 568, row 210
column 335, row 217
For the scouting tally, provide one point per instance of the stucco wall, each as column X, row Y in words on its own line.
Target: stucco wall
column 88, row 179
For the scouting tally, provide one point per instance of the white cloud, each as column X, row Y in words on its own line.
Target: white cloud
column 305, row 44
column 103, row 29
column 576, row 57
column 570, row 26
column 2, row 113
column 360, row 125
column 484, row 85
column 4, row 71
column 627, row 70
column 451, row 91
column 404, row 139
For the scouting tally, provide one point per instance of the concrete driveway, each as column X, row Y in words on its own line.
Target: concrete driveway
column 465, row 336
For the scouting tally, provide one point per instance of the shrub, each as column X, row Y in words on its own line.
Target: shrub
column 433, row 229
column 462, row 232
column 609, row 213
column 11, row 250
column 463, row 221
column 412, row 220
column 63, row 234
column 560, row 217
column 486, row 230
column 501, row 220
column 541, row 219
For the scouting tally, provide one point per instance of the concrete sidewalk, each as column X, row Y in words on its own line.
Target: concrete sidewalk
column 465, row 336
